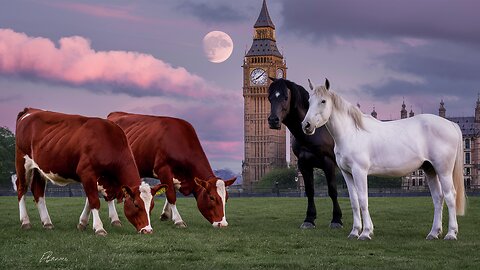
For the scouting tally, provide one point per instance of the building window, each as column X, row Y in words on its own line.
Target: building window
column 414, row 172
column 413, row 182
column 469, row 182
column 420, row 172
column 420, row 182
column 467, row 171
column 467, row 158
column 467, row 143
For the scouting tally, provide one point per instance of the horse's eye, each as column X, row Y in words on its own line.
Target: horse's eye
column 324, row 101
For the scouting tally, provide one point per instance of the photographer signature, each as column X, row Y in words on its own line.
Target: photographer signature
column 48, row 257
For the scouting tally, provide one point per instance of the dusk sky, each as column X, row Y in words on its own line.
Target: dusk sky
column 95, row 57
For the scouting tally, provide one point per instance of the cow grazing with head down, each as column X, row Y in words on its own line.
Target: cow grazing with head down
column 64, row 149
column 168, row 149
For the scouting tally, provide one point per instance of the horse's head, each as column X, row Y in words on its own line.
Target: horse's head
column 320, row 108
column 279, row 96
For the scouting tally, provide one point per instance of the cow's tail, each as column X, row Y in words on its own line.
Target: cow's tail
column 458, row 181
column 22, row 113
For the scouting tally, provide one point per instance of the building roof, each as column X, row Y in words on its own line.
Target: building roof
column 467, row 125
column 264, row 18
column 264, row 47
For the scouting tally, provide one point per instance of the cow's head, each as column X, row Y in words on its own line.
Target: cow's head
column 139, row 204
column 211, row 198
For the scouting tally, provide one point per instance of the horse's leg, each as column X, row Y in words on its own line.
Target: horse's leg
column 361, row 184
column 449, row 193
column 352, row 193
column 307, row 172
column 437, row 197
column 329, row 169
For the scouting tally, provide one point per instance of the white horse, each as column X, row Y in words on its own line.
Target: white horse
column 365, row 146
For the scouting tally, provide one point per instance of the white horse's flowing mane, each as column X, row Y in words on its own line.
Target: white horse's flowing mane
column 344, row 106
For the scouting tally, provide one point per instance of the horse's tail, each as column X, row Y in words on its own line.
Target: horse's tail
column 458, row 182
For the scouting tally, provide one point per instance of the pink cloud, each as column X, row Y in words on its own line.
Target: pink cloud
column 74, row 62
column 114, row 12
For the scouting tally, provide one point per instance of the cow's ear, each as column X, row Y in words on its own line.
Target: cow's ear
column 127, row 192
column 229, row 182
column 200, row 182
column 159, row 189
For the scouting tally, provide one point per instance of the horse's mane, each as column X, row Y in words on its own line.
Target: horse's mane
column 342, row 105
column 299, row 94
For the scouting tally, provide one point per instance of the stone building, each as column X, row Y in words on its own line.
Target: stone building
column 265, row 148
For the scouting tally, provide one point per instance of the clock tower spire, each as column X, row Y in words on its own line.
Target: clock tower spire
column 265, row 148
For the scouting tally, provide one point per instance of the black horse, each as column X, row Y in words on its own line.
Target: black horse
column 289, row 104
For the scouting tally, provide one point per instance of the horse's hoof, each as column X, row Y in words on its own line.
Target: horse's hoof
column 116, row 223
column 450, row 237
column 364, row 237
column 335, row 225
column 181, row 224
column 431, row 237
column 81, row 227
column 48, row 226
column 26, row 226
column 353, row 236
column 307, row 225
column 164, row 217
column 101, row 232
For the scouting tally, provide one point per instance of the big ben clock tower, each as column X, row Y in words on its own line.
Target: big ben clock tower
column 264, row 147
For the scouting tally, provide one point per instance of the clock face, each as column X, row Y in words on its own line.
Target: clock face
column 258, row 76
column 279, row 73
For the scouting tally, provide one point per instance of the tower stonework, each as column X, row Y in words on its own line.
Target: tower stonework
column 265, row 148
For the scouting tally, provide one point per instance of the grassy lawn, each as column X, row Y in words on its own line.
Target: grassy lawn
column 263, row 234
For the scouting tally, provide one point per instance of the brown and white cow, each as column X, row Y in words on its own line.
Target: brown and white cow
column 64, row 149
column 168, row 149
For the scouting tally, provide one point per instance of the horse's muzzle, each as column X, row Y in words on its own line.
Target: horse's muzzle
column 274, row 122
column 308, row 128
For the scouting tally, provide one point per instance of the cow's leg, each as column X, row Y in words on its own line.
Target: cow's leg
column 307, row 172
column 89, row 182
column 166, row 177
column 112, row 213
column 329, row 170
column 22, row 186
column 167, row 211
column 84, row 217
column 38, row 190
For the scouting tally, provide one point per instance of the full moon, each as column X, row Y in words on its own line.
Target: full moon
column 218, row 46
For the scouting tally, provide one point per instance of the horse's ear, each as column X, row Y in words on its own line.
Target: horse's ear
column 271, row 78
column 327, row 84
column 310, row 84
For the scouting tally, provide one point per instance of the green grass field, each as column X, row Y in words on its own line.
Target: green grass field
column 263, row 234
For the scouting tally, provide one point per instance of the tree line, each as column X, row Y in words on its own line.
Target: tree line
column 7, row 156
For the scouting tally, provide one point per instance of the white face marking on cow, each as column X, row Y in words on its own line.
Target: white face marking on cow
column 223, row 194
column 146, row 196
column 177, row 184
column 56, row 179
column 277, row 94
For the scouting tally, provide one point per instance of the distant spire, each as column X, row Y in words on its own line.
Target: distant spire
column 411, row 114
column 264, row 18
column 403, row 111
column 442, row 111
column 374, row 113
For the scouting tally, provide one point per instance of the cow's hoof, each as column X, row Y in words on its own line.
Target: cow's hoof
column 164, row 217
column 335, row 225
column 116, row 223
column 181, row 224
column 26, row 226
column 450, row 237
column 81, row 227
column 431, row 237
column 101, row 232
column 48, row 226
column 307, row 225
